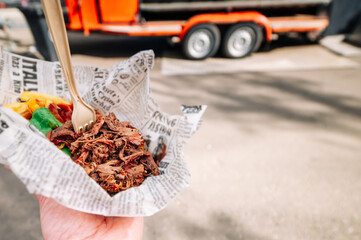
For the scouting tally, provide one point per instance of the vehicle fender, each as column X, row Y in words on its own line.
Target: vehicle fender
column 229, row 18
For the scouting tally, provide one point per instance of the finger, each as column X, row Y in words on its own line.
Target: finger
column 7, row 167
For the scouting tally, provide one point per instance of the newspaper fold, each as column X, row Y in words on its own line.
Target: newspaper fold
column 124, row 90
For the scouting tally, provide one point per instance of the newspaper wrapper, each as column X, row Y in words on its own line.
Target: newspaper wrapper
column 124, row 90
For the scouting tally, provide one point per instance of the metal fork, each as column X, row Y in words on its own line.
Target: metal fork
column 83, row 115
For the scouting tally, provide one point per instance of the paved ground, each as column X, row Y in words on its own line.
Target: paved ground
column 278, row 156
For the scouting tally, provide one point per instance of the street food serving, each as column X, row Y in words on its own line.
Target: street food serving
column 112, row 153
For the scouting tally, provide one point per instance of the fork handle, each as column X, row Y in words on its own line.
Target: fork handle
column 54, row 18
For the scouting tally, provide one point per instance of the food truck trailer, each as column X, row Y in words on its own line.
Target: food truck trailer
column 236, row 28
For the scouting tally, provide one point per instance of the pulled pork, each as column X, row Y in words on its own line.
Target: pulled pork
column 111, row 152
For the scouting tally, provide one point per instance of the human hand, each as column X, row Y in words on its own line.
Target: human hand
column 59, row 222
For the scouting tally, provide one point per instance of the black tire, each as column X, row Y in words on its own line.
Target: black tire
column 241, row 40
column 206, row 34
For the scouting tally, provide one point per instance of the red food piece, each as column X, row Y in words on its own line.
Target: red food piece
column 61, row 112
column 66, row 111
column 54, row 110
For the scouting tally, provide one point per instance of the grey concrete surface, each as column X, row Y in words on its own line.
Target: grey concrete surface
column 277, row 158
column 337, row 44
column 278, row 155
column 282, row 59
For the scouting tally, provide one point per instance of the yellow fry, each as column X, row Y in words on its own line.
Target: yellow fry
column 42, row 97
column 21, row 108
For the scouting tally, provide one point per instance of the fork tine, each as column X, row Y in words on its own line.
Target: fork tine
column 90, row 125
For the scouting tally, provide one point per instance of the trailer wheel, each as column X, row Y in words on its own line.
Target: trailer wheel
column 241, row 40
column 201, row 41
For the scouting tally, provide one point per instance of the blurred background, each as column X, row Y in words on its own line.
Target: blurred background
column 279, row 153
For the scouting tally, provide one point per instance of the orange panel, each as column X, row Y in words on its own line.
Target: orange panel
column 298, row 24
column 73, row 14
column 89, row 16
column 161, row 28
column 118, row 11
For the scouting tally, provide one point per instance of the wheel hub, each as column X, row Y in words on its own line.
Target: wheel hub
column 200, row 44
column 240, row 42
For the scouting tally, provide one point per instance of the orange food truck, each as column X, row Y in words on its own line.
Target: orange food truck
column 236, row 28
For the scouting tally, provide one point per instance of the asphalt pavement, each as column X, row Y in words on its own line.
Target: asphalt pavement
column 278, row 155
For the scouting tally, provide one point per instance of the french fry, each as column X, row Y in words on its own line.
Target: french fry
column 14, row 106
column 47, row 103
column 33, row 101
column 21, row 108
column 33, row 104
column 43, row 98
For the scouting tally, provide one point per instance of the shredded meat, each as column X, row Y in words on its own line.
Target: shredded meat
column 63, row 132
column 112, row 152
